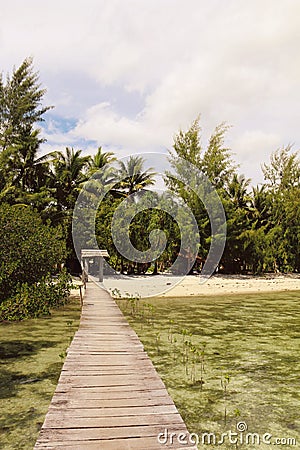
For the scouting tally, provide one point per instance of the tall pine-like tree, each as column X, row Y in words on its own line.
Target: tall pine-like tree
column 21, row 110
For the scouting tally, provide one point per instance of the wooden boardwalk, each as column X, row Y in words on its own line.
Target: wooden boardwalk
column 109, row 395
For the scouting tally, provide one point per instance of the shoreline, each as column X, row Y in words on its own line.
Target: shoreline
column 220, row 285
column 147, row 286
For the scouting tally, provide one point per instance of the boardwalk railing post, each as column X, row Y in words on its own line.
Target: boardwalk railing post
column 86, row 269
column 81, row 296
column 101, row 269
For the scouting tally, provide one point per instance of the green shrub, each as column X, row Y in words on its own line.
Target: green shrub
column 29, row 249
column 37, row 299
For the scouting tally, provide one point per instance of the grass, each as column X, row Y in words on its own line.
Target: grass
column 31, row 357
column 223, row 360
column 227, row 359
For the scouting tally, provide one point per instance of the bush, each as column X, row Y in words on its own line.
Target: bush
column 29, row 250
column 37, row 299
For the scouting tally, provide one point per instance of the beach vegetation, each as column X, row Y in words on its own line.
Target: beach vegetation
column 231, row 359
column 263, row 222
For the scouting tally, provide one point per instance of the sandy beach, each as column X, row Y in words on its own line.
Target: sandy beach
column 194, row 285
column 234, row 284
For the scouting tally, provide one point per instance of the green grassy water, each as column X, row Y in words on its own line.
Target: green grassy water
column 226, row 360
column 31, row 357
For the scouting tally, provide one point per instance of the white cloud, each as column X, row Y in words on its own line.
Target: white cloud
column 252, row 149
column 233, row 61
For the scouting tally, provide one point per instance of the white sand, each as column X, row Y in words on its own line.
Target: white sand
column 230, row 284
column 193, row 285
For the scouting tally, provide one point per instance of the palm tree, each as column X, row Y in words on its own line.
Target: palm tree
column 69, row 172
column 25, row 177
column 99, row 160
column 133, row 178
column 102, row 173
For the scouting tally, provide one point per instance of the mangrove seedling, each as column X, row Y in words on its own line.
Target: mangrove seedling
column 202, row 363
column 225, row 380
column 157, row 341
column 170, row 332
column 175, row 348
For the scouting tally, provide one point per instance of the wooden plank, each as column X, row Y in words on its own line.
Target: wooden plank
column 102, row 359
column 63, row 411
column 99, row 370
column 107, row 380
column 83, row 434
column 111, row 390
column 112, row 403
column 98, row 359
column 109, row 395
column 139, row 443
column 54, row 421
column 104, row 369
column 105, row 394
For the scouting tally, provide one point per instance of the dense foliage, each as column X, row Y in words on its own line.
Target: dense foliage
column 29, row 249
column 38, row 194
column 262, row 222
column 34, row 300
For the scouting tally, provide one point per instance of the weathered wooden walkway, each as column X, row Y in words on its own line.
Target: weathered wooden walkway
column 109, row 395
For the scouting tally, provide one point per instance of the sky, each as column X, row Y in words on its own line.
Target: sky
column 127, row 75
